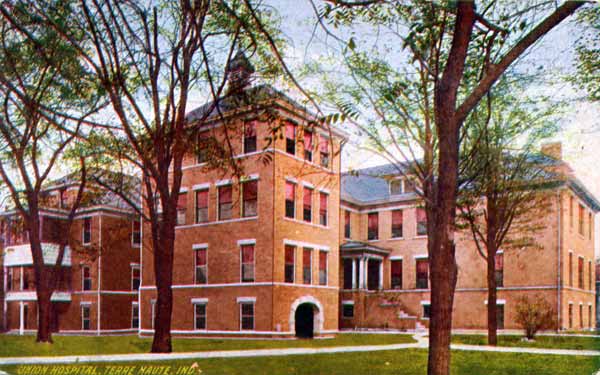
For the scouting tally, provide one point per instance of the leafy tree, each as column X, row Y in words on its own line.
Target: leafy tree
column 588, row 52
column 448, row 55
column 534, row 315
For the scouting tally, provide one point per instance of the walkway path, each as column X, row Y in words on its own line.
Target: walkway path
column 422, row 342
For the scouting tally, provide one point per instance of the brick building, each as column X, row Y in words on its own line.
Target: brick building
column 99, row 277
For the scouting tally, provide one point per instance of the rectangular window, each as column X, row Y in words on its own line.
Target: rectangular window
column 500, row 316
column 181, row 208
column 250, row 198
column 581, row 219
column 86, row 278
column 570, row 315
column 307, row 204
column 324, row 151
column 590, row 275
column 202, row 206
column 426, row 311
column 571, row 211
column 225, row 202
column 199, row 316
column 201, row 266
column 373, row 226
column 87, row 230
column 422, row 273
column 348, row 264
column 247, row 263
column 85, row 318
column 322, row 267
column 397, row 187
column 580, row 316
column 396, row 274
column 290, row 138
column 290, row 199
column 307, row 265
column 135, row 277
column 397, row 224
column 570, row 269
column 580, row 272
column 247, row 316
column 136, row 233
column 308, row 145
column 590, row 316
column 135, row 315
column 499, row 269
column 347, row 310
column 290, row 252
column 323, row 209
column 202, row 151
column 249, row 137
column 421, row 222
column 347, row 231
column 590, row 225
column 9, row 278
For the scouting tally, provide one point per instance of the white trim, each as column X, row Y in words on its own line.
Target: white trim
column 317, row 225
column 204, row 186
column 383, row 209
column 291, row 179
column 85, row 303
column 224, row 182
column 421, row 256
column 396, row 257
column 183, row 190
column 132, row 264
column 348, row 302
column 305, row 244
column 308, row 185
column 200, row 246
column 251, row 177
column 425, row 302
column 199, row 301
column 318, row 317
column 246, row 299
column 204, row 224
column 248, row 241
column 254, row 284
column 326, row 191
column 498, row 302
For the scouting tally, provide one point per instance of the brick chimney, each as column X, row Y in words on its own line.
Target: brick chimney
column 553, row 150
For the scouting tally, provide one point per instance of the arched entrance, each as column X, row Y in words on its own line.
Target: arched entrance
column 305, row 321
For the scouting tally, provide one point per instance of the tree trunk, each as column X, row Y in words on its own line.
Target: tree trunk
column 44, row 295
column 491, row 307
column 2, row 294
column 163, row 271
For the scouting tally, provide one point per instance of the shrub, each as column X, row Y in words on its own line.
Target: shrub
column 534, row 315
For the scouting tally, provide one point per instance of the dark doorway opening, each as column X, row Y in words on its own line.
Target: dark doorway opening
column 305, row 321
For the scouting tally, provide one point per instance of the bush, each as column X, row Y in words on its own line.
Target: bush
column 534, row 315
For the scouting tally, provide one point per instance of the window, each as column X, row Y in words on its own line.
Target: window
column 397, row 224
column 580, row 272
column 87, row 230
column 85, row 318
column 26, row 316
column 397, row 186
column 571, row 209
column 499, row 269
column 581, row 221
column 249, row 137
column 421, row 222
column 135, row 278
column 290, row 138
column 152, row 312
column 201, row 266
column 136, row 234
column 202, row 151
column 202, row 206
column 86, row 278
column 500, row 316
column 290, row 199
column 348, row 265
column 396, row 274
column 308, row 145
column 306, row 266
column 590, row 316
column 9, row 278
column 307, row 200
column 590, row 275
column 570, row 268
column 570, row 315
column 323, row 209
column 324, row 151
column 422, row 274
column 225, row 202
column 580, row 316
column 181, row 208
column 347, row 231
column 426, row 310
column 590, row 225
column 199, row 316
column 322, row 267
column 135, row 315
column 247, row 263
column 289, row 263
column 249, row 198
column 373, row 226
column 347, row 310
column 247, row 315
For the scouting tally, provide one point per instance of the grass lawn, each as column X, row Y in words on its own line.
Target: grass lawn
column 21, row 346
column 551, row 342
column 405, row 362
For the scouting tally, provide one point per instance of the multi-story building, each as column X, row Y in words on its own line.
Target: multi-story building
column 100, row 271
column 384, row 267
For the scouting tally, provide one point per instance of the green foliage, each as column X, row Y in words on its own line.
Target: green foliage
column 534, row 314
column 588, row 52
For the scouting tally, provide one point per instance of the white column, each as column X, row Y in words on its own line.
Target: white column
column 381, row 274
column 353, row 273
column 361, row 273
column 366, row 270
column 21, row 318
column 21, row 279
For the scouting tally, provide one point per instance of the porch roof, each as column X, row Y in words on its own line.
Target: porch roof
column 358, row 247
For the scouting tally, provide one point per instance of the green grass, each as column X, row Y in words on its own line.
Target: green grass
column 405, row 362
column 21, row 346
column 550, row 342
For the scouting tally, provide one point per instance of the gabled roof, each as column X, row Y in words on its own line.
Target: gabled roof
column 352, row 247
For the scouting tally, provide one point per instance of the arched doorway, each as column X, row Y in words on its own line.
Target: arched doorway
column 305, row 321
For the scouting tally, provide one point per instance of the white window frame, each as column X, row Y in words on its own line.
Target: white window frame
column 247, row 302
column 326, row 267
column 402, row 186
column 348, row 303
column 136, row 266
column 195, row 248
column 133, row 244
column 152, row 312
column 83, row 231
column 133, row 306
column 83, row 267
column 197, row 189
column 311, row 264
column 246, row 243
column 88, row 307
column 205, row 304
column 284, row 264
